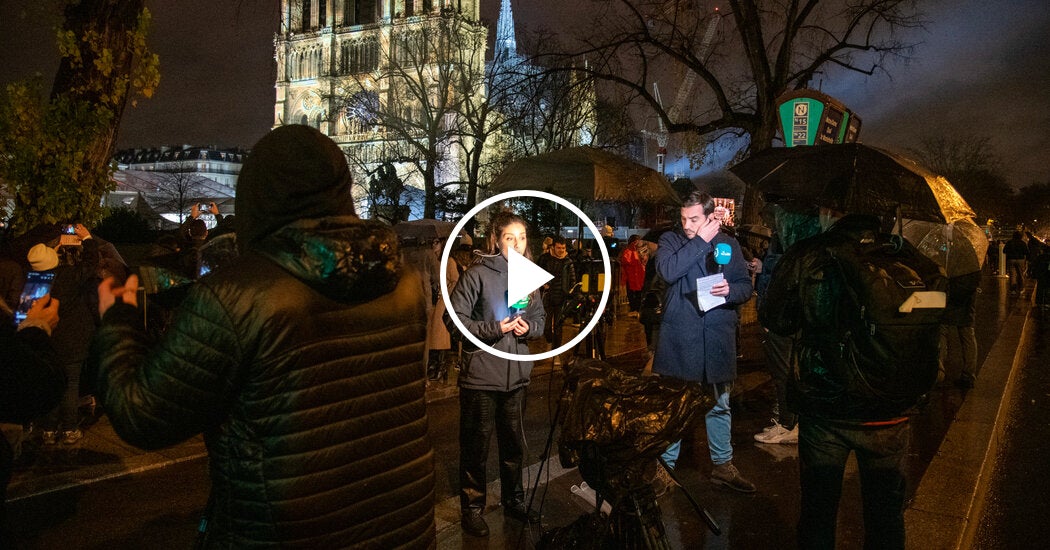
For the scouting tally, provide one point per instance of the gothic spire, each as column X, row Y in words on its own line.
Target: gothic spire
column 506, row 45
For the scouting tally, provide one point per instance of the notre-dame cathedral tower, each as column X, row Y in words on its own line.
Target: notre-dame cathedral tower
column 388, row 81
column 328, row 51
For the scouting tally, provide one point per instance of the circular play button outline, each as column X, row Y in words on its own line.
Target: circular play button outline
column 601, row 303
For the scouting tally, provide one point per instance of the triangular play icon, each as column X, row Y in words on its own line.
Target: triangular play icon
column 523, row 277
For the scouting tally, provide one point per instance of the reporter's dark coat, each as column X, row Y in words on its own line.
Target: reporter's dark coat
column 694, row 345
column 480, row 301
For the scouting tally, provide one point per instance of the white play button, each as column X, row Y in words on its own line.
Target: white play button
column 523, row 277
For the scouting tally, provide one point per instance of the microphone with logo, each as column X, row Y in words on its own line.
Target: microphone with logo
column 519, row 306
column 723, row 252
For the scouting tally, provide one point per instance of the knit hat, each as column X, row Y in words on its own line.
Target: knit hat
column 295, row 172
column 42, row 257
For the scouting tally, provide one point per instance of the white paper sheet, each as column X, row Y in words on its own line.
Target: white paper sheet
column 703, row 292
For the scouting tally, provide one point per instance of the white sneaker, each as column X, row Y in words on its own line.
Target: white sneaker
column 778, row 434
column 772, row 426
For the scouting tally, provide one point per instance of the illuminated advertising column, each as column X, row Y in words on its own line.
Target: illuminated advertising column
column 808, row 117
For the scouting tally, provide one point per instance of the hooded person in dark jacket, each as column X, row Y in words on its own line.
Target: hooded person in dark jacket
column 492, row 388
column 809, row 302
column 300, row 361
column 76, row 277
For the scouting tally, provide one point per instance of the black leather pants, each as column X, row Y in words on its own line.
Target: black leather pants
column 479, row 413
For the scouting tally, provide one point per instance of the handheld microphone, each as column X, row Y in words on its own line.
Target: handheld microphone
column 519, row 306
column 723, row 252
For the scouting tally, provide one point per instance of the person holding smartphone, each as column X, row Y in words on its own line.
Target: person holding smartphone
column 75, row 279
column 492, row 389
column 301, row 361
column 31, row 378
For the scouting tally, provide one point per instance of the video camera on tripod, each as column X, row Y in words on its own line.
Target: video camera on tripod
column 615, row 427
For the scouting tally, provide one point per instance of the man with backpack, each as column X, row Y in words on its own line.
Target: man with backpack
column 865, row 356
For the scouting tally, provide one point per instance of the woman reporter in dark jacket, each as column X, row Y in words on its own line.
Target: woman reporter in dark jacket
column 492, row 388
column 301, row 361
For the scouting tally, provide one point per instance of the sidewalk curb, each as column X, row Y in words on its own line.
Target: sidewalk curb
column 949, row 500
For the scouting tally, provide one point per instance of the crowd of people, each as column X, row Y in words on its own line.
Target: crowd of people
column 299, row 339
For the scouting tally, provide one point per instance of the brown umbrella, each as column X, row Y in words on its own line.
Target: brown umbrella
column 424, row 229
column 854, row 178
column 587, row 173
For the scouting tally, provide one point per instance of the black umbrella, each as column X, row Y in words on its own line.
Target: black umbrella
column 854, row 178
column 654, row 234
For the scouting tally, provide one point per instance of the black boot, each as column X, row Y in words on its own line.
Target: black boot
column 473, row 524
column 517, row 509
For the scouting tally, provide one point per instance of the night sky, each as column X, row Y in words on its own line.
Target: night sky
column 983, row 68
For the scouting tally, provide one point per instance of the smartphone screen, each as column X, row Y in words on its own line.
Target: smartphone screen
column 38, row 283
column 70, row 230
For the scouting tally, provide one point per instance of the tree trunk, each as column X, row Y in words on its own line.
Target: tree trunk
column 429, row 190
column 112, row 24
column 761, row 139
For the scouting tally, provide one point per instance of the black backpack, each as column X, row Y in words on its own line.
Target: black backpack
column 860, row 357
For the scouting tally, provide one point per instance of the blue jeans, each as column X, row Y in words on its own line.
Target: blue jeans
column 719, row 422
column 823, row 448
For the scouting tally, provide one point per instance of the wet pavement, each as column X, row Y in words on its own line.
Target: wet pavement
column 765, row 519
column 1014, row 513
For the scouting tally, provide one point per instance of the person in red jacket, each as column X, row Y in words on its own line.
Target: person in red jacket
column 632, row 270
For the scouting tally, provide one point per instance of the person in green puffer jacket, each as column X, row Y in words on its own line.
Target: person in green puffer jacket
column 301, row 361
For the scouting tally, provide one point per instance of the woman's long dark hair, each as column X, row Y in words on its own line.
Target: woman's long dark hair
column 500, row 222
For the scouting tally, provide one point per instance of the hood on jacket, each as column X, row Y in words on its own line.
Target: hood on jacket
column 496, row 262
column 344, row 258
column 295, row 172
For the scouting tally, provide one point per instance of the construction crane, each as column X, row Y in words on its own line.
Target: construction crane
column 684, row 92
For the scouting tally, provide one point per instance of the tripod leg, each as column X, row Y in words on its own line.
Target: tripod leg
column 550, row 442
column 710, row 521
column 650, row 523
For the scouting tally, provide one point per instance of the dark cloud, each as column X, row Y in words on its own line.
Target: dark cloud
column 981, row 69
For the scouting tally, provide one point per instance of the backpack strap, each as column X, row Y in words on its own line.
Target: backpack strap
column 850, row 291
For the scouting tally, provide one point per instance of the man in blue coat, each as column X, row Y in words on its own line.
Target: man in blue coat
column 697, row 345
